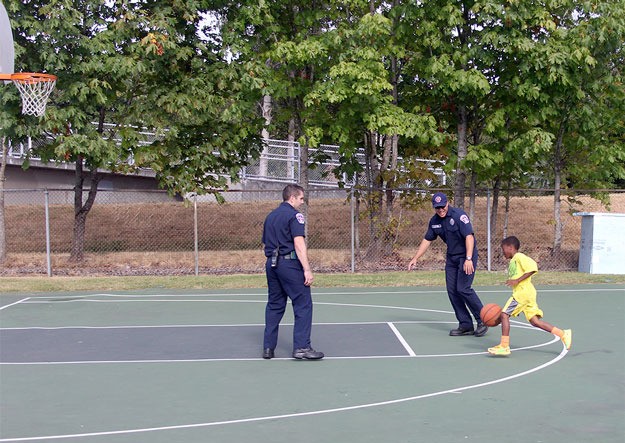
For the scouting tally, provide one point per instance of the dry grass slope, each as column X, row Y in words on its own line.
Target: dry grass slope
column 157, row 238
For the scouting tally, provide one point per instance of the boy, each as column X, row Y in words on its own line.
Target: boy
column 520, row 271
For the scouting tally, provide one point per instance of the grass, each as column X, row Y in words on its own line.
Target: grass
column 19, row 285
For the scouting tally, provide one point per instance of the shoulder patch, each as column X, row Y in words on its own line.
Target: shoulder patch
column 300, row 218
column 464, row 219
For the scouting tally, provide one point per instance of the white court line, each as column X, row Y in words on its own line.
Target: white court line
column 412, row 354
column 259, row 360
column 300, row 414
column 321, row 292
column 174, row 300
column 401, row 339
column 179, row 300
column 219, row 325
column 24, row 300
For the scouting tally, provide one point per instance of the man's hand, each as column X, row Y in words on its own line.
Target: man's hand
column 308, row 277
column 468, row 267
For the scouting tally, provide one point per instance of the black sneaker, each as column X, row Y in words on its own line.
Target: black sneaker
column 460, row 331
column 268, row 353
column 307, row 354
column 481, row 330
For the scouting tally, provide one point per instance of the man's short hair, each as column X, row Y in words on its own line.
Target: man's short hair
column 291, row 191
column 511, row 241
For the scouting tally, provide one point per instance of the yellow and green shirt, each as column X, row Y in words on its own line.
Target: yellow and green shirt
column 519, row 265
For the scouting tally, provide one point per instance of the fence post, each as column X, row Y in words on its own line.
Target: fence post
column 47, row 209
column 195, row 236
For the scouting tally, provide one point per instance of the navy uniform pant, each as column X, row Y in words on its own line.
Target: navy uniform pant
column 287, row 281
column 463, row 298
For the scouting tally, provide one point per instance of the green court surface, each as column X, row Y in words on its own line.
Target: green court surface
column 185, row 367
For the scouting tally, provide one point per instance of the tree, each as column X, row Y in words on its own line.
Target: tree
column 521, row 83
column 127, row 66
column 263, row 36
column 353, row 100
column 574, row 65
column 452, row 68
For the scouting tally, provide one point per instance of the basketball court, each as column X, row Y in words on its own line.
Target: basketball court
column 160, row 367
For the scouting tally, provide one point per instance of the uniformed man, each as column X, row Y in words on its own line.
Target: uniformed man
column 288, row 275
column 453, row 226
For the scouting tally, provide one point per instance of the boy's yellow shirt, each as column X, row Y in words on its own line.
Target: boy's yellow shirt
column 519, row 265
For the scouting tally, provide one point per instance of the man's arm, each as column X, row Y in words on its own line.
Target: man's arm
column 425, row 244
column 302, row 254
column 469, row 243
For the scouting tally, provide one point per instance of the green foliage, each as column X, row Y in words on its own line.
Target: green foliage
column 522, row 70
column 137, row 66
column 527, row 76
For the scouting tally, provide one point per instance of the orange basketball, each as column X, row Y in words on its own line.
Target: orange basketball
column 491, row 314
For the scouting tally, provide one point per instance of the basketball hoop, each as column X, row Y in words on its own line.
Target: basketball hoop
column 35, row 88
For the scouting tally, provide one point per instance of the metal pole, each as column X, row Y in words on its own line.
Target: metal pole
column 195, row 236
column 47, row 204
column 488, row 236
column 353, row 229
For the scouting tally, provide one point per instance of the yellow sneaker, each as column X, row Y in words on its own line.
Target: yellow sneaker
column 567, row 338
column 499, row 350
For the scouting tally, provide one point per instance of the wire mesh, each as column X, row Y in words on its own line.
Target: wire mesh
column 137, row 232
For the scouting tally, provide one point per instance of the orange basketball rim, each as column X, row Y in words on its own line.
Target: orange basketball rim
column 35, row 88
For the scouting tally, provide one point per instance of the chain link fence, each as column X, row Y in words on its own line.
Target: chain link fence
column 149, row 233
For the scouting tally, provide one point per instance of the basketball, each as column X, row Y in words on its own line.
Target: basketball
column 491, row 314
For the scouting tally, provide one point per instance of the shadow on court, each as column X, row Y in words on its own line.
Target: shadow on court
column 150, row 367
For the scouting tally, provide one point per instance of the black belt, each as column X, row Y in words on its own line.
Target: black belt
column 291, row 256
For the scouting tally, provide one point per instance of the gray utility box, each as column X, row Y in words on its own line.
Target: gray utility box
column 602, row 245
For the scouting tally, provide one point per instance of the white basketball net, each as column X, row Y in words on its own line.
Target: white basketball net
column 35, row 90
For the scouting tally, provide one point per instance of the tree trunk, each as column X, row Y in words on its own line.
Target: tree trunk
column 356, row 195
column 494, row 211
column 291, row 136
column 303, row 173
column 506, row 219
column 390, row 227
column 266, row 110
column 374, row 197
column 557, row 192
column 472, row 195
column 3, row 238
column 461, row 175
column 81, row 211
column 295, row 128
column 382, row 226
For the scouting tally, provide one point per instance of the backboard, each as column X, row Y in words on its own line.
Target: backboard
column 7, row 51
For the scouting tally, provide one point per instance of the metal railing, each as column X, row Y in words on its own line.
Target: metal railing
column 279, row 162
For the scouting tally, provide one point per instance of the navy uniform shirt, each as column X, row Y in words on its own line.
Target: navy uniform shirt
column 281, row 226
column 453, row 229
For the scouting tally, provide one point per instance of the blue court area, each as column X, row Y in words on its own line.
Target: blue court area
column 186, row 367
